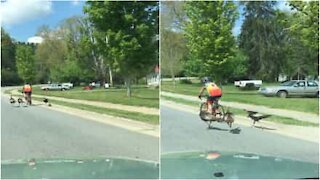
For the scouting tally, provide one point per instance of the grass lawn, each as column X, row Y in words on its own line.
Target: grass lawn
column 141, row 96
column 233, row 94
column 277, row 119
column 151, row 119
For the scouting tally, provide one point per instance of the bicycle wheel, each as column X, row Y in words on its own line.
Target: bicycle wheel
column 204, row 111
column 203, row 107
column 219, row 113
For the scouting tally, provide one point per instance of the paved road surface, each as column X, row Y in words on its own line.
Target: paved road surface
column 182, row 131
column 36, row 132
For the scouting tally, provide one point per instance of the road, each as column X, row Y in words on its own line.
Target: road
column 183, row 131
column 37, row 132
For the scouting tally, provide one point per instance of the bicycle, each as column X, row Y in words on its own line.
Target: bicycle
column 27, row 97
column 218, row 113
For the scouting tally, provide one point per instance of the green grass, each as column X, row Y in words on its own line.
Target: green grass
column 151, row 119
column 276, row 119
column 7, row 91
column 141, row 96
column 233, row 94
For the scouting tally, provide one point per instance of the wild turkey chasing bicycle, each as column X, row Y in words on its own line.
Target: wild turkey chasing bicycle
column 252, row 115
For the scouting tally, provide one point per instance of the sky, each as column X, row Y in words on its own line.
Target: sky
column 22, row 18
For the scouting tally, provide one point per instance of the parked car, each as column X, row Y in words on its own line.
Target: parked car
column 57, row 87
column 292, row 88
column 97, row 85
column 248, row 84
column 70, row 85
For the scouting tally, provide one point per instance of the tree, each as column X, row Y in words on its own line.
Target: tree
column 78, row 64
column 173, row 45
column 9, row 75
column 50, row 56
column 262, row 39
column 25, row 63
column 209, row 38
column 304, row 28
column 172, row 51
column 238, row 66
column 131, row 29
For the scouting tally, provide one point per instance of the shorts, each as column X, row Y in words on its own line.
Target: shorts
column 212, row 99
column 28, row 93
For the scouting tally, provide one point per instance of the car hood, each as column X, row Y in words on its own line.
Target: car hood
column 106, row 168
column 208, row 165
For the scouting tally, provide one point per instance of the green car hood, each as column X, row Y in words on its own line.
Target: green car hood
column 209, row 165
column 106, row 168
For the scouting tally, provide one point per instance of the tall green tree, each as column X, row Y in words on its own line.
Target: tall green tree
column 25, row 63
column 172, row 52
column 262, row 39
column 9, row 74
column 304, row 29
column 127, row 33
column 209, row 37
column 173, row 44
column 50, row 56
column 77, row 65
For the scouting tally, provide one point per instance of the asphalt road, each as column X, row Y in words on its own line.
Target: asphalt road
column 37, row 132
column 182, row 131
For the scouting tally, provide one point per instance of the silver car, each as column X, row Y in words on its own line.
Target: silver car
column 58, row 87
column 292, row 88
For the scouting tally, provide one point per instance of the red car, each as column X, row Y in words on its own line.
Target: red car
column 87, row 88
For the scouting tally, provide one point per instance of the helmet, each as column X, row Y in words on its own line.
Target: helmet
column 205, row 80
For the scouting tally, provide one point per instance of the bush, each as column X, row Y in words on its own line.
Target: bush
column 185, row 81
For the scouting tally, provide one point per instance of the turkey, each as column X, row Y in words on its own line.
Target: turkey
column 46, row 101
column 20, row 101
column 229, row 118
column 252, row 115
column 12, row 101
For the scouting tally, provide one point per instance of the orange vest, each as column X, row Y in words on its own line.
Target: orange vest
column 27, row 88
column 213, row 90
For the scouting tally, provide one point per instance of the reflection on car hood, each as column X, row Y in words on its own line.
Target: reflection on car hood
column 106, row 168
column 208, row 165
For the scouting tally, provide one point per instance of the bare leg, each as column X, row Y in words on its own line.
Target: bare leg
column 210, row 107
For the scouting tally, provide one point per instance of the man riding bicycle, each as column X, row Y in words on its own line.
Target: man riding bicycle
column 27, row 91
column 214, row 92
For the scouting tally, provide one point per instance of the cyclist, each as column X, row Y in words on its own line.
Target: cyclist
column 213, row 91
column 27, row 91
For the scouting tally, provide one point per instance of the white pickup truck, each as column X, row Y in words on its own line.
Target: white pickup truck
column 248, row 83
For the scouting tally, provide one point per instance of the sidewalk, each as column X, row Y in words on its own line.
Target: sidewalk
column 261, row 109
column 299, row 132
column 139, row 109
